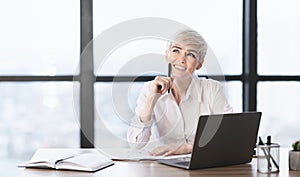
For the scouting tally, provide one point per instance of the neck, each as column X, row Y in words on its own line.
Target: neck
column 181, row 86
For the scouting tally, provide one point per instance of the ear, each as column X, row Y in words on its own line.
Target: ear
column 199, row 65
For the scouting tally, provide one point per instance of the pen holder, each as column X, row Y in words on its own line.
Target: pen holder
column 268, row 158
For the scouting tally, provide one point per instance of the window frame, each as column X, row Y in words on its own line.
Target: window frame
column 86, row 78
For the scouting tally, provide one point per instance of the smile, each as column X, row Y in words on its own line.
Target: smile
column 179, row 67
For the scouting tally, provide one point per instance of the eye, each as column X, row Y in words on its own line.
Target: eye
column 175, row 50
column 191, row 55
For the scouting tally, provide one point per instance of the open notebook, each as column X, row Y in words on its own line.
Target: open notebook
column 66, row 159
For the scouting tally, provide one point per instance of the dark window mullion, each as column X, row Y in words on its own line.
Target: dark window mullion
column 149, row 78
column 250, row 55
column 278, row 78
column 86, row 75
column 37, row 78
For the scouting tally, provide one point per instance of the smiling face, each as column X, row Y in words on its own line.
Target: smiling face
column 184, row 59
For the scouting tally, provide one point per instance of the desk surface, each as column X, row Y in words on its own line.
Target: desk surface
column 153, row 169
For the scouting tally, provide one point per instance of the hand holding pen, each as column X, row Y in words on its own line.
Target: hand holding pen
column 163, row 84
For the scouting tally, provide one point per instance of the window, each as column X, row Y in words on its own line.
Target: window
column 279, row 103
column 277, row 63
column 278, row 39
column 221, row 27
column 39, row 37
column 39, row 52
column 145, row 57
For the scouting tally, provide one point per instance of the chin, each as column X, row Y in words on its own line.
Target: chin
column 183, row 75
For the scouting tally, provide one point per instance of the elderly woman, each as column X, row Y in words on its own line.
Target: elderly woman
column 169, row 107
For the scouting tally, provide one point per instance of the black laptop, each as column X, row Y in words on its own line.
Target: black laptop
column 221, row 140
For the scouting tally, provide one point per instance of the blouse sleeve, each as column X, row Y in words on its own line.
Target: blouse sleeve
column 139, row 133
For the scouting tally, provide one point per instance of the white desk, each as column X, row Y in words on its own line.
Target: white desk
column 154, row 169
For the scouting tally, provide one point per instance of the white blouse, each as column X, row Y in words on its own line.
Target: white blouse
column 173, row 123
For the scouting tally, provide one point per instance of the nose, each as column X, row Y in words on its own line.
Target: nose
column 182, row 58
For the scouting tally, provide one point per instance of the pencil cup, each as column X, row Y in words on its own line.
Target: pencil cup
column 268, row 158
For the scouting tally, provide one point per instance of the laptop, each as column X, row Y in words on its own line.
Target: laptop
column 221, row 140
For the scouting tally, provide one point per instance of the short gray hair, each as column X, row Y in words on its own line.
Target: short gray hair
column 191, row 37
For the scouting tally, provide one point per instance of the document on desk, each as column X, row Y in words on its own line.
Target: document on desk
column 135, row 154
column 68, row 159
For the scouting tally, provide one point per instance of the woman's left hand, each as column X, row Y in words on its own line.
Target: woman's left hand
column 169, row 149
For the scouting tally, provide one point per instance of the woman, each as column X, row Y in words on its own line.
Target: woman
column 169, row 107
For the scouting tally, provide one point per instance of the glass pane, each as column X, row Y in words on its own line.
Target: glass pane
column 222, row 32
column 112, row 120
column 39, row 37
column 35, row 115
column 115, row 105
column 279, row 103
column 234, row 93
column 278, row 37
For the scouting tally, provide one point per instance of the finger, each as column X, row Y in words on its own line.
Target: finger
column 160, row 86
column 174, row 151
column 169, row 153
column 155, row 151
column 159, row 150
column 168, row 81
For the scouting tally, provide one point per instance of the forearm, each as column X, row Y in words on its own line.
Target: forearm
column 138, row 137
column 145, row 115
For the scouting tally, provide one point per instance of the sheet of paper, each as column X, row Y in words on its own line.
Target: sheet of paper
column 135, row 154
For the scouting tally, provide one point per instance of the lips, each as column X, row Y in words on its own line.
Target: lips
column 179, row 67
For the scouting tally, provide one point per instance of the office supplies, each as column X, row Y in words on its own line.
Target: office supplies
column 269, row 140
column 78, row 161
column 232, row 143
column 169, row 74
column 267, row 153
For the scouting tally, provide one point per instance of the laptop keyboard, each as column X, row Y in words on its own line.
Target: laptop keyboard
column 185, row 163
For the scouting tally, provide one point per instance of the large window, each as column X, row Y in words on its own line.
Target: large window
column 221, row 28
column 39, row 52
column 279, row 103
column 278, row 38
column 39, row 37
column 278, row 69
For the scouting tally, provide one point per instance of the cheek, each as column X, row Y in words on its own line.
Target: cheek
column 192, row 67
column 171, row 60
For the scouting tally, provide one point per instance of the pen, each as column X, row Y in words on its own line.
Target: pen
column 270, row 156
column 60, row 160
column 268, row 153
column 169, row 74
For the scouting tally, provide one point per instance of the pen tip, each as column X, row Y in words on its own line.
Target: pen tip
column 269, row 140
column 260, row 141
